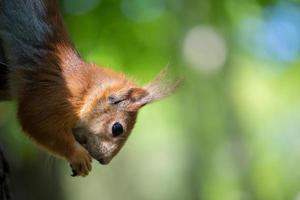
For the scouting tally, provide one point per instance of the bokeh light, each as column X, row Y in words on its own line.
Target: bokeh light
column 143, row 10
column 275, row 36
column 78, row 7
column 205, row 49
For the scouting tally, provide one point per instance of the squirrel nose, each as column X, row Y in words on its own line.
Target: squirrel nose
column 104, row 161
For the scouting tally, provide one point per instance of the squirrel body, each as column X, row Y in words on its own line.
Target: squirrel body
column 71, row 108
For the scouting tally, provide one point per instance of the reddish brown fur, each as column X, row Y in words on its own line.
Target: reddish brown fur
column 64, row 93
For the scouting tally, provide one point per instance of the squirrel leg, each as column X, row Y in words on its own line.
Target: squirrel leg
column 65, row 145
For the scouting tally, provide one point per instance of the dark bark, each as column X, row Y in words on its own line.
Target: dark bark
column 4, row 178
column 4, row 88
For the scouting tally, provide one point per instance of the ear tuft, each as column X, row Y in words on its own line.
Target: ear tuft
column 162, row 86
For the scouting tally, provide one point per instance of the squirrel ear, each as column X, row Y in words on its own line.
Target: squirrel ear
column 130, row 100
column 160, row 87
column 134, row 98
column 137, row 98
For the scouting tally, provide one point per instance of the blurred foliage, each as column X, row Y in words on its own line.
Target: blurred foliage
column 233, row 129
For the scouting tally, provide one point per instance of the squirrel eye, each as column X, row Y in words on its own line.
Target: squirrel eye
column 117, row 129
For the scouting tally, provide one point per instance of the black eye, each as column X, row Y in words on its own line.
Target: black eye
column 117, row 129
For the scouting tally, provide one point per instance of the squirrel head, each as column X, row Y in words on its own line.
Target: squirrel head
column 109, row 113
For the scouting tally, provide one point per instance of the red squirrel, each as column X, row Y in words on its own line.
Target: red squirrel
column 71, row 108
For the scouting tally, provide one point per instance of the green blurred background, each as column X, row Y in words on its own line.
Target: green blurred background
column 232, row 132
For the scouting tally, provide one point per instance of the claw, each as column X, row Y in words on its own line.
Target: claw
column 74, row 173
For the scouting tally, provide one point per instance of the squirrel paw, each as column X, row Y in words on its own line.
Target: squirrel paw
column 81, row 162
